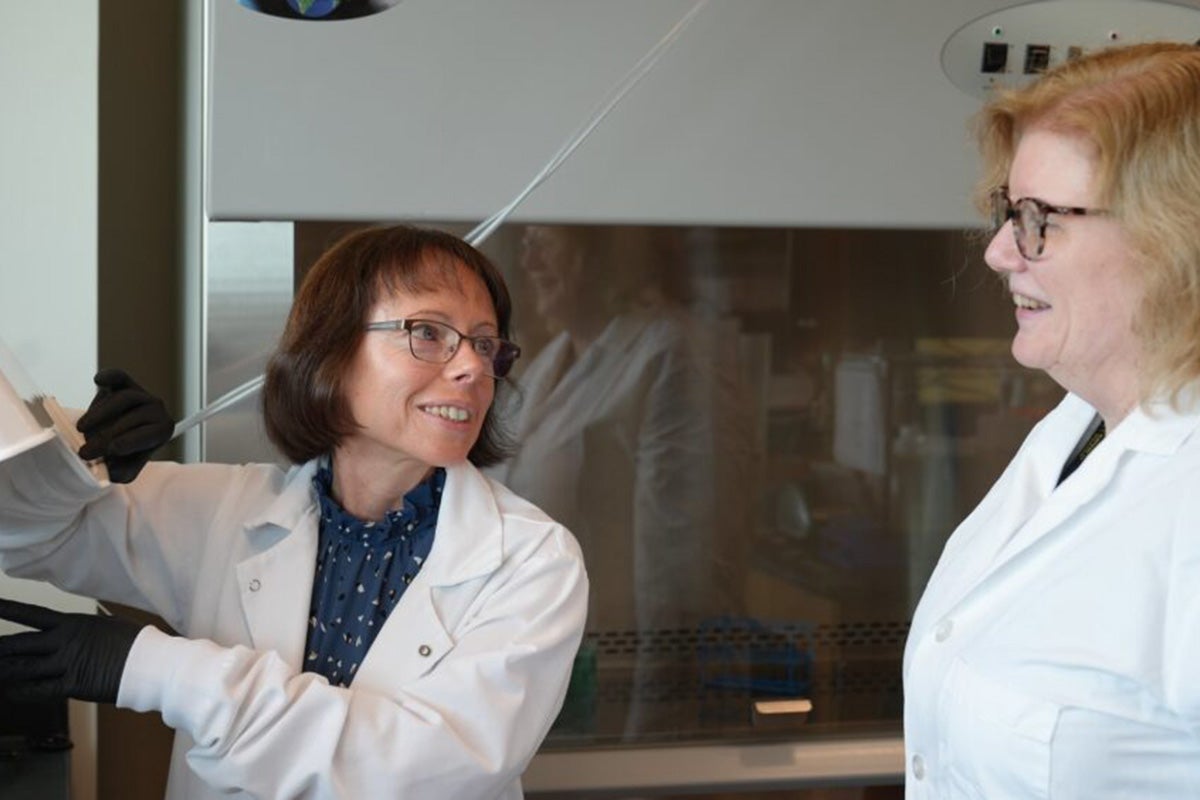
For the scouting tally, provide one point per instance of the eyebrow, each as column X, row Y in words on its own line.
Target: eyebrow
column 440, row 316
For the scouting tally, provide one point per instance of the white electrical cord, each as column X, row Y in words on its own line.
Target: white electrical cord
column 615, row 95
column 223, row 402
column 485, row 229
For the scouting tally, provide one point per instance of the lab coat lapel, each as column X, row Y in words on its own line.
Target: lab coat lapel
column 1090, row 480
column 527, row 406
column 1047, row 531
column 275, row 584
column 467, row 544
column 1158, row 432
column 539, row 382
column 540, row 418
column 1011, row 506
column 580, row 392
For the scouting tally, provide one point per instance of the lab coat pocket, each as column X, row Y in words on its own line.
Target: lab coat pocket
column 998, row 738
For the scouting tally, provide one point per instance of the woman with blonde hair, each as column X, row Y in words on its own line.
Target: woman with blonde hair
column 1054, row 651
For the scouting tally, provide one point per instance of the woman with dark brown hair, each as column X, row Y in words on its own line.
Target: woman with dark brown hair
column 381, row 620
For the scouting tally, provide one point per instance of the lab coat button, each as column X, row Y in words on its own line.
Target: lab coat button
column 943, row 630
column 918, row 767
column 255, row 585
column 424, row 650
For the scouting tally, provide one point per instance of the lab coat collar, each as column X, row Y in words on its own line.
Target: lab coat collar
column 290, row 506
column 1029, row 516
column 468, row 541
column 623, row 331
column 620, row 335
column 551, row 388
column 1155, row 428
column 277, row 580
column 1158, row 428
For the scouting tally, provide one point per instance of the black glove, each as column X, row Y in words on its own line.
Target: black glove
column 124, row 425
column 70, row 655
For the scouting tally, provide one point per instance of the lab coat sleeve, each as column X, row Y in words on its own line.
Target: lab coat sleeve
column 135, row 544
column 676, row 575
column 466, row 728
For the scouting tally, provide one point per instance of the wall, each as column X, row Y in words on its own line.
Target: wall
column 48, row 74
column 140, row 155
column 141, row 158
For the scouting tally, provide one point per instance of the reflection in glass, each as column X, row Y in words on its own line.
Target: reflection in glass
column 627, row 422
column 762, row 438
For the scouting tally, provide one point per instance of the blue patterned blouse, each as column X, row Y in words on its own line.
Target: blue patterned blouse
column 363, row 569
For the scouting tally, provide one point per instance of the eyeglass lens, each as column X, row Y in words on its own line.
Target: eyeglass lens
column 437, row 342
column 1029, row 221
column 1030, row 224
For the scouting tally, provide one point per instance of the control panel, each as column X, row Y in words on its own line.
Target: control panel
column 1012, row 46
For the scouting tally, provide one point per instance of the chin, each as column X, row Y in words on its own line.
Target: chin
column 1024, row 361
column 445, row 459
column 1029, row 355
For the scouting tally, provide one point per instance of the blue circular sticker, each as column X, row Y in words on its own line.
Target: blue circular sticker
column 314, row 9
column 318, row 9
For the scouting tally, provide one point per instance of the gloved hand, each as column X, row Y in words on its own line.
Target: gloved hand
column 70, row 655
column 124, row 425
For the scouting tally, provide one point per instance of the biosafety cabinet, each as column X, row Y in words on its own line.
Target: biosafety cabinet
column 770, row 198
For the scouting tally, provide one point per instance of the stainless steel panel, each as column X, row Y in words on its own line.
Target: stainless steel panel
column 249, row 286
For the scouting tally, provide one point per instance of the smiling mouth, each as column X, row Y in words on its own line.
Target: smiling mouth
column 1025, row 301
column 452, row 413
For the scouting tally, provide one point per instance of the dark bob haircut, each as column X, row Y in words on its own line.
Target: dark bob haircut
column 304, row 407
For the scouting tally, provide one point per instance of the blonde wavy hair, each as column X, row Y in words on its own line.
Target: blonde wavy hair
column 1139, row 108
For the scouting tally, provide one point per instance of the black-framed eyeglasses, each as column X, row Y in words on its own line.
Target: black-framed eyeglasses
column 1029, row 218
column 436, row 343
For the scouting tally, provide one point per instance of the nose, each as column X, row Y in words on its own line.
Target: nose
column 1002, row 254
column 466, row 364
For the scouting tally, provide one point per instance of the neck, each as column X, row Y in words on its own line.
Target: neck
column 1113, row 392
column 1113, row 409
column 369, row 489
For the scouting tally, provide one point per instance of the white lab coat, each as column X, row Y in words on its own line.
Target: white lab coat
column 453, row 698
column 619, row 446
column 1056, row 650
